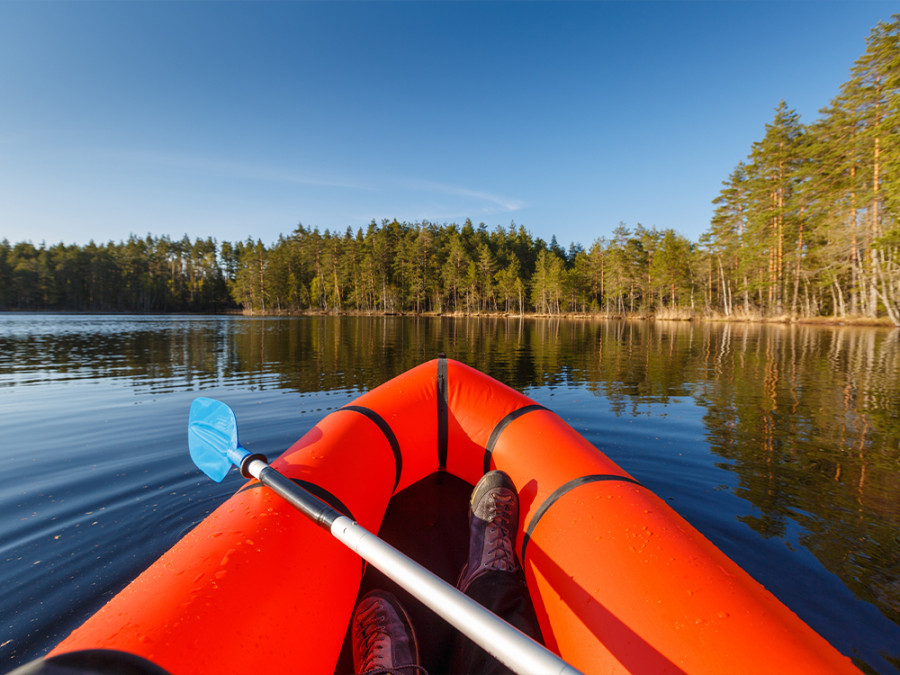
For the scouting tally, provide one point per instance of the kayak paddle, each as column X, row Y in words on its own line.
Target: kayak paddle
column 214, row 447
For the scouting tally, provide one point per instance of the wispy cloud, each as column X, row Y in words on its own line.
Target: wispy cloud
column 490, row 203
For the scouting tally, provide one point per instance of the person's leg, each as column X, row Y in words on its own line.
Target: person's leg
column 506, row 595
column 492, row 575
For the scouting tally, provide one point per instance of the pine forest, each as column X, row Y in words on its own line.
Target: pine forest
column 807, row 225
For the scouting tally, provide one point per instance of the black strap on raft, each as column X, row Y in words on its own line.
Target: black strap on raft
column 563, row 490
column 319, row 492
column 87, row 661
column 388, row 434
column 501, row 425
column 442, row 412
column 320, row 505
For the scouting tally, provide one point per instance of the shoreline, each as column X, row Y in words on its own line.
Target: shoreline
column 679, row 317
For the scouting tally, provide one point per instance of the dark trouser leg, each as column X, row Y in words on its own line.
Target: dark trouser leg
column 506, row 595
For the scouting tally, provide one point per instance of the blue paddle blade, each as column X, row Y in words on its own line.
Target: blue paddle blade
column 213, row 438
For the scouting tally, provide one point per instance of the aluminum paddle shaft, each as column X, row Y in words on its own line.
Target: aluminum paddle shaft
column 509, row 645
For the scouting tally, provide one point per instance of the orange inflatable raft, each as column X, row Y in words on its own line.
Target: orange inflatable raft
column 619, row 581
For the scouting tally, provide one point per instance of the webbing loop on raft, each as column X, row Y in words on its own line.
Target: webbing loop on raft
column 389, row 434
column 501, row 425
column 316, row 490
column 442, row 412
column 563, row 490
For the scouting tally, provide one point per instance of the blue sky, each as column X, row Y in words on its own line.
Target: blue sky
column 233, row 119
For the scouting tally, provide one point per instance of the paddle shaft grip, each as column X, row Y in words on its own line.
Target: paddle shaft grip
column 312, row 507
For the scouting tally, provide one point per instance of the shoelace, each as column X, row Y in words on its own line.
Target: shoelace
column 402, row 670
column 498, row 538
column 372, row 638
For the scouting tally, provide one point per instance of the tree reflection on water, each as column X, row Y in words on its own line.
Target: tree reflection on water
column 804, row 416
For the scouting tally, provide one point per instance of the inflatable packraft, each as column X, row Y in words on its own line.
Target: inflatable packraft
column 619, row 581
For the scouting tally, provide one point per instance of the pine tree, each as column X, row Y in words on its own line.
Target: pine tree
column 872, row 98
column 773, row 221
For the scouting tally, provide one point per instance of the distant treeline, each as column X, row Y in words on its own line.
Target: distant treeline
column 806, row 226
column 388, row 267
column 140, row 275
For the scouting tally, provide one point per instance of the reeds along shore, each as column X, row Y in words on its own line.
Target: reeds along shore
column 666, row 315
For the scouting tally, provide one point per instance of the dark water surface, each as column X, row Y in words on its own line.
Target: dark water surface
column 781, row 444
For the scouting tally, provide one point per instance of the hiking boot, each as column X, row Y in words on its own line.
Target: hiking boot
column 383, row 637
column 493, row 519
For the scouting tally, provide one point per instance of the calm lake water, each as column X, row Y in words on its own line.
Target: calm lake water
column 780, row 443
